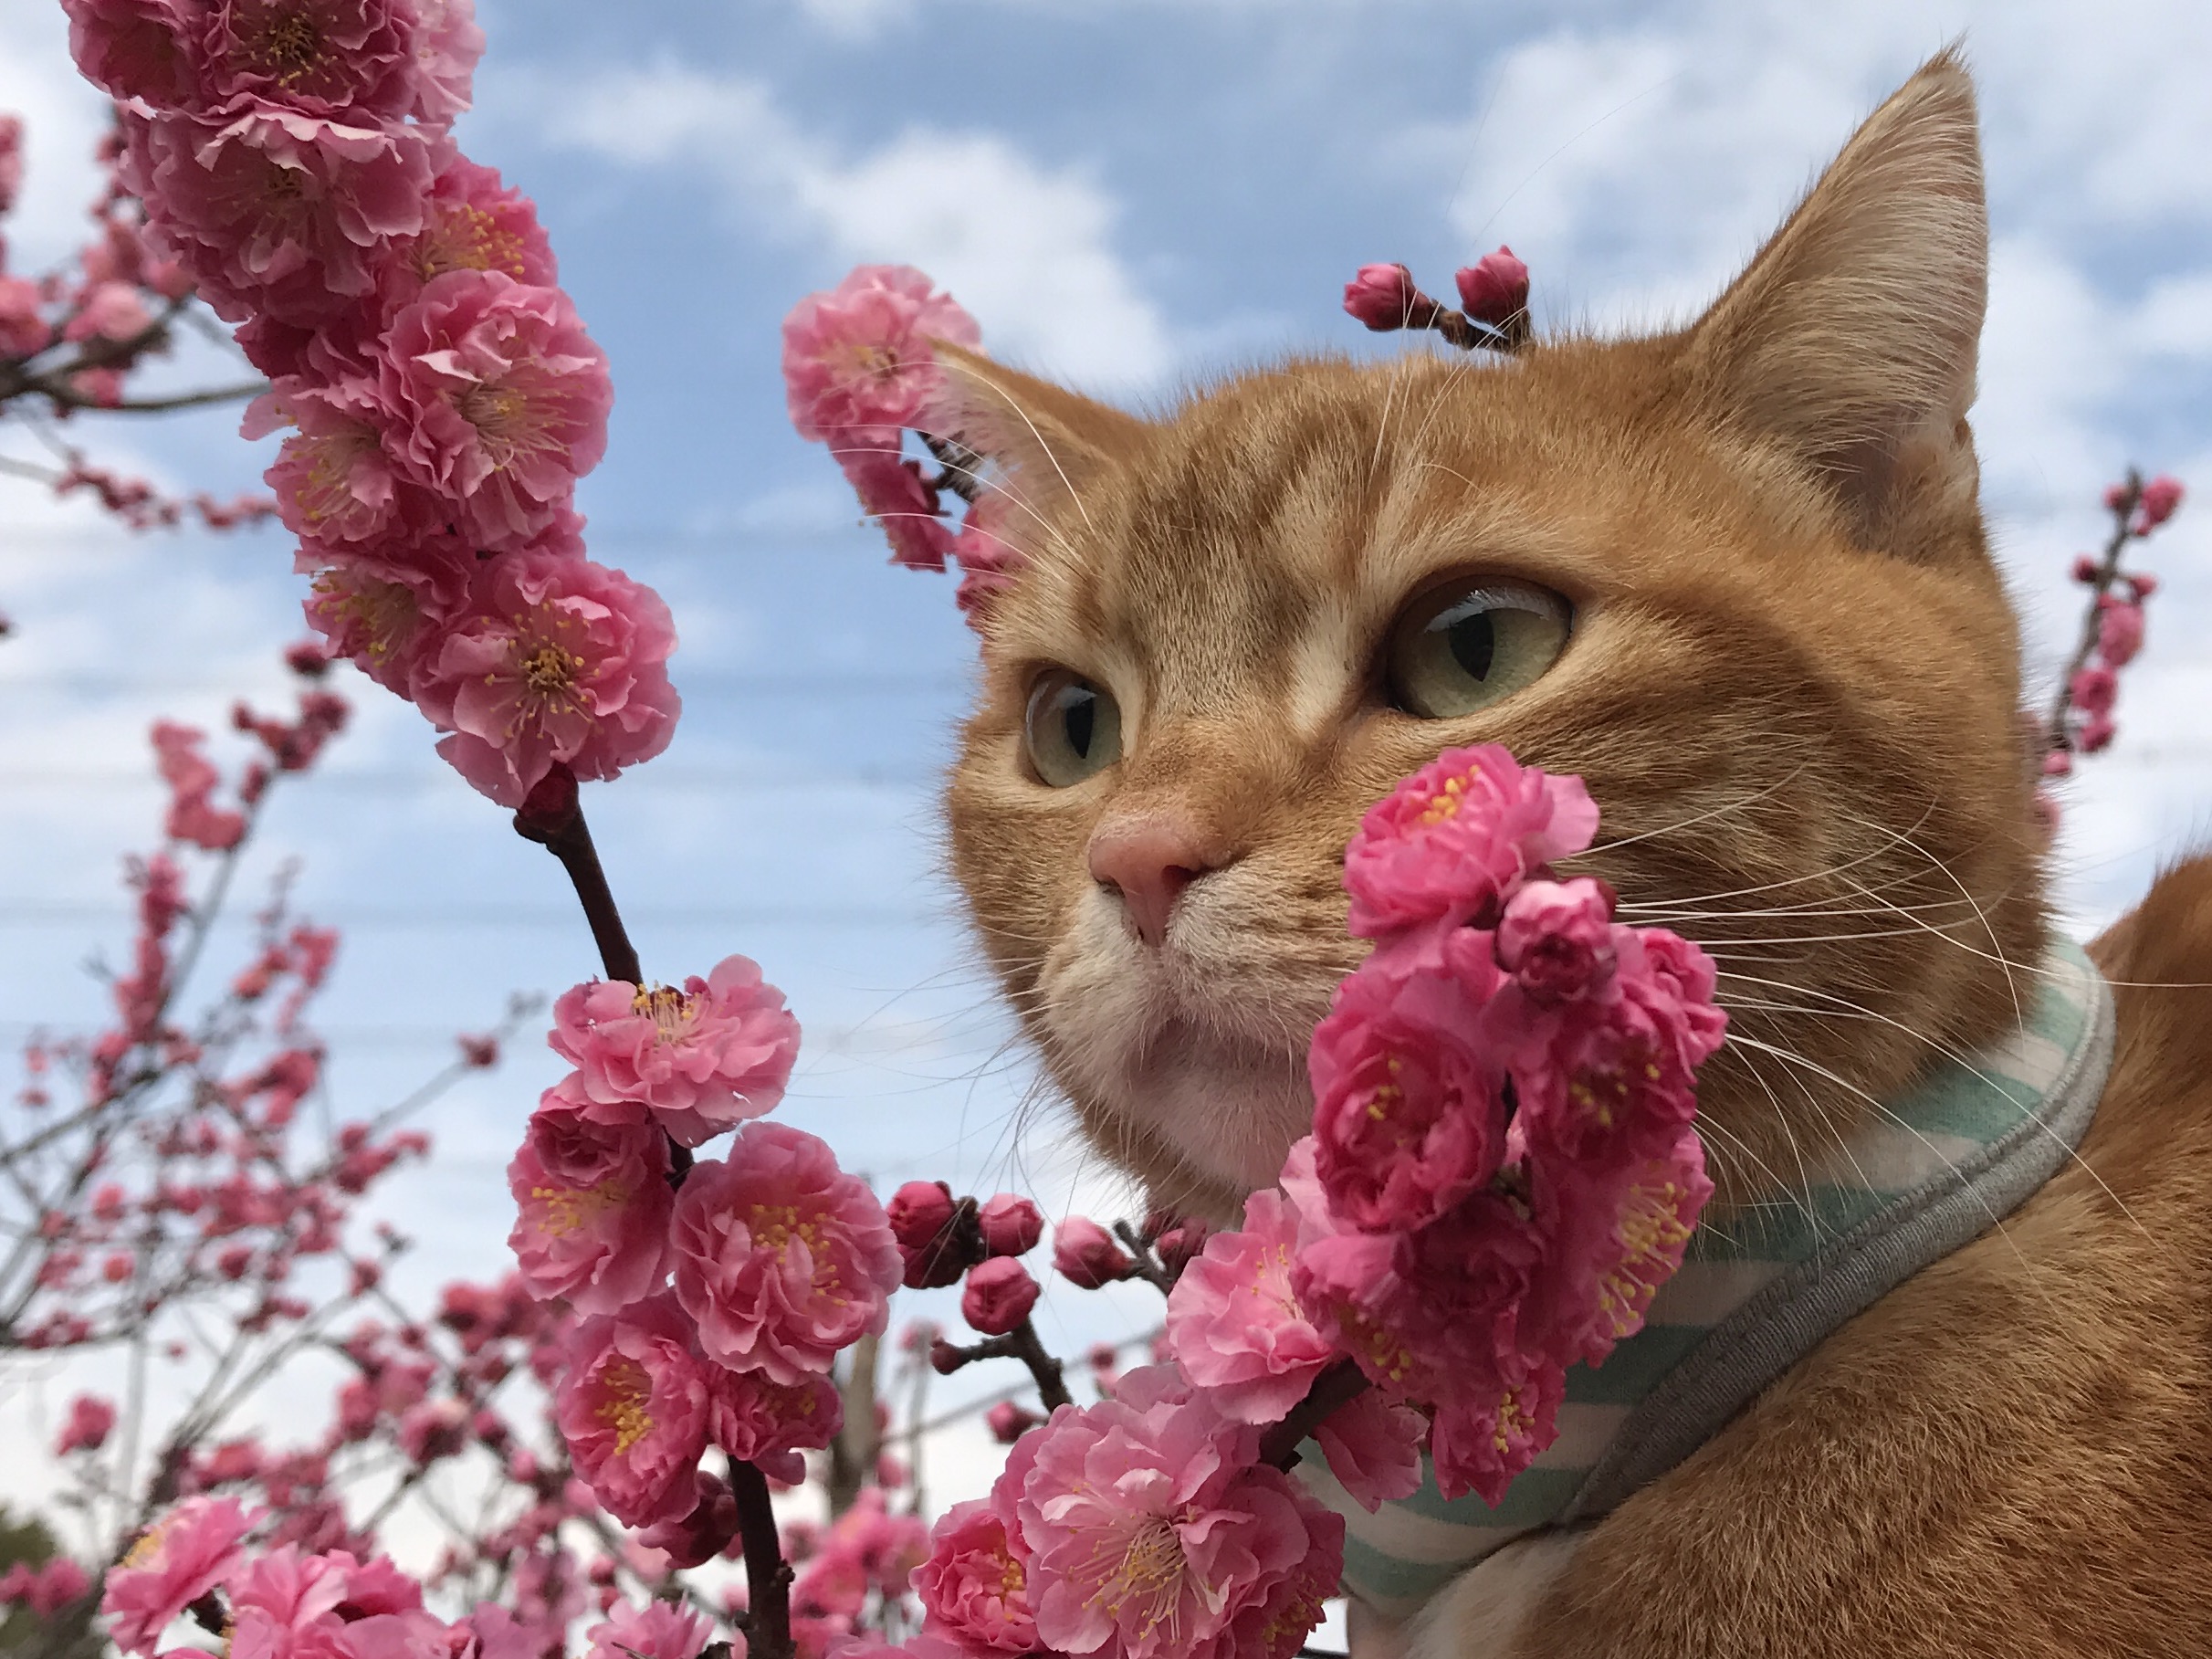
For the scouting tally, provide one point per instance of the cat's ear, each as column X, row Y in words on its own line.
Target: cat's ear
column 1044, row 442
column 1851, row 338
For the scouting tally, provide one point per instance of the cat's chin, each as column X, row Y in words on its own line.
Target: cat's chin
column 1228, row 1107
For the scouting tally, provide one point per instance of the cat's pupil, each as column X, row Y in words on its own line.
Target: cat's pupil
column 1082, row 720
column 1473, row 639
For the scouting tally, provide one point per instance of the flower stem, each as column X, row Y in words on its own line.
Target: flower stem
column 768, row 1576
column 553, row 817
column 1339, row 1385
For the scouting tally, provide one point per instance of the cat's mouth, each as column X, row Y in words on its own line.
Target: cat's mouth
column 1229, row 1105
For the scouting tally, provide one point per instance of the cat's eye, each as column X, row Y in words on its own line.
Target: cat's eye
column 1463, row 645
column 1073, row 728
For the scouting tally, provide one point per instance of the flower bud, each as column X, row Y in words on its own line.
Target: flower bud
column 1179, row 1243
column 1011, row 1226
column 1557, row 938
column 2144, row 584
column 1085, row 1254
column 703, row 1532
column 999, row 1294
column 918, row 1212
column 2058, row 763
column 1494, row 288
column 2085, row 570
column 2160, row 496
column 2119, row 631
column 2096, row 734
column 2092, row 690
column 1384, row 297
column 1008, row 1421
column 945, row 1359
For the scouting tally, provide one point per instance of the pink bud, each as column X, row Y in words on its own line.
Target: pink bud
column 2116, row 497
column 918, row 1212
column 2096, row 735
column 2086, row 569
column 2092, row 689
column 999, row 1294
column 1085, row 1254
column 1494, row 288
column 1008, row 1421
column 2058, row 763
column 2119, row 631
column 1178, row 1245
column 1011, row 1226
column 1384, row 297
column 2160, row 496
column 2142, row 584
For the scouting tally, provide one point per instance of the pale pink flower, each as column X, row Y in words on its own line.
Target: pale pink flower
column 284, row 1606
column 601, row 1243
column 144, row 49
column 334, row 484
column 988, row 562
column 1384, row 297
column 91, row 1419
column 704, row 1059
column 769, row 1424
column 1451, row 841
column 111, row 311
column 1614, row 1232
column 998, row 1295
column 1010, row 1226
column 1153, row 1529
column 24, row 329
column 472, row 222
column 386, row 615
column 559, row 661
column 859, row 356
column 1085, row 1254
column 327, row 57
column 500, row 398
column 895, row 494
column 1409, row 1110
column 781, row 1256
column 2160, row 496
column 1494, row 288
column 278, row 212
column 974, row 1588
column 1481, row 1444
column 1234, row 1321
column 581, row 1141
column 193, row 815
column 2118, row 630
column 1373, row 1446
column 176, row 1561
column 56, row 1583
column 447, row 44
column 1555, row 937
column 409, row 1634
column 634, row 1408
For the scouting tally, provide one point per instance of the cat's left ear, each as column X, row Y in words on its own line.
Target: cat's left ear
column 1853, row 337
column 1047, row 444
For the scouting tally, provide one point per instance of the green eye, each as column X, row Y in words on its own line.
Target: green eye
column 1462, row 647
column 1073, row 728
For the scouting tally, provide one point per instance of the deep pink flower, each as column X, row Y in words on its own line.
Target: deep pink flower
column 781, row 1256
column 138, row 48
column 327, row 57
column 176, row 1561
column 602, row 1244
column 704, row 1059
column 1085, row 1254
column 334, row 484
column 473, row 221
column 1494, row 288
column 769, row 1424
column 659, row 1629
column 2160, row 496
column 278, row 212
column 388, row 616
column 1452, row 839
column 1373, row 1446
column 1614, row 1232
column 702, row 1532
column 1010, row 1226
column 2118, row 630
column 1409, row 1112
column 633, row 1407
column 1384, row 297
column 2095, row 734
column 1480, row 1445
column 1234, row 1324
column 895, row 494
column 998, row 1296
column 23, row 325
column 91, row 1419
column 502, row 397
column 974, row 1587
column 2093, row 689
column 559, row 661
column 56, row 1583
column 859, row 356
column 581, row 1142
column 1153, row 1530
column 1555, row 937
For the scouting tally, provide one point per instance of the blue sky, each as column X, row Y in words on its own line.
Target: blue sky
column 1127, row 194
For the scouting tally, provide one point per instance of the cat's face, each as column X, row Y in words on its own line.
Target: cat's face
column 1794, row 701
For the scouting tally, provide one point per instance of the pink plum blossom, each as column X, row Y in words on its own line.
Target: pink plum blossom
column 659, row 1629
column 1480, row 1445
column 602, row 1244
column 1373, row 1447
column 1494, row 288
column 918, row 1212
column 283, row 1605
column 974, row 1588
column 176, row 1561
column 894, row 493
column 769, row 1422
column 781, row 1256
column 334, row 485
column 1409, row 1111
column 703, row 1531
column 1555, row 937
column 111, row 311
column 193, row 815
column 2118, row 630
column 1234, row 1321
column 558, row 661
column 388, row 616
column 447, row 44
column 1010, row 1226
column 24, row 329
column 634, row 1408
column 2094, row 688
column 500, row 400
column 1086, row 1255
column 472, row 222
column 91, row 1419
column 703, row 1059
column 325, row 57
column 2160, row 496
column 1384, row 297
column 145, row 49
column 859, row 356
column 1449, row 842
column 998, row 1295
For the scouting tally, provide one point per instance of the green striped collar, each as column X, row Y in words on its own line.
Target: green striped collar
column 1960, row 1151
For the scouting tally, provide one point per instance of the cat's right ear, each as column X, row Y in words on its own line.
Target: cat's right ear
column 1046, row 445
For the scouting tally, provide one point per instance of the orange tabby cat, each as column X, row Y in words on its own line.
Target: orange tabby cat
column 1736, row 578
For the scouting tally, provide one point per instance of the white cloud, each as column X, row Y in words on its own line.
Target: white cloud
column 1027, row 249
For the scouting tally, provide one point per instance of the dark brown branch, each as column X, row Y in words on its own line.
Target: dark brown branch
column 960, row 468
column 768, row 1576
column 1020, row 1343
column 2108, row 571
column 553, row 817
column 1338, row 1386
column 1150, row 1269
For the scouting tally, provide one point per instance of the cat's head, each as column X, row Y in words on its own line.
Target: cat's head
column 1734, row 576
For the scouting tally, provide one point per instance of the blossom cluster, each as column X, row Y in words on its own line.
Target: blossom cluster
column 2112, row 633
column 1493, row 311
column 860, row 371
column 297, row 169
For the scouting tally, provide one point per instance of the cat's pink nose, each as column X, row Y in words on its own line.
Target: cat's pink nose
column 1149, row 864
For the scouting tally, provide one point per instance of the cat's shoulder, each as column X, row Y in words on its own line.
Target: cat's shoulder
column 2159, row 960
